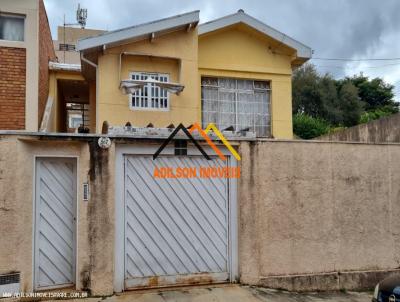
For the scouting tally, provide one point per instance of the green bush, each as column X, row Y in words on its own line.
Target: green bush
column 336, row 129
column 375, row 114
column 307, row 127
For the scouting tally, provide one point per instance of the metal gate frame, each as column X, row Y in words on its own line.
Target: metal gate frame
column 148, row 149
column 34, row 219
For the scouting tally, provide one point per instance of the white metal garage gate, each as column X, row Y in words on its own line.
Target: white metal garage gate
column 176, row 230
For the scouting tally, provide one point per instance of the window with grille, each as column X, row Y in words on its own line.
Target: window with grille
column 66, row 47
column 237, row 103
column 77, row 115
column 180, row 147
column 150, row 97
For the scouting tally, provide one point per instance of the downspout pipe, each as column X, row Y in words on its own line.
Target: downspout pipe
column 88, row 61
column 97, row 86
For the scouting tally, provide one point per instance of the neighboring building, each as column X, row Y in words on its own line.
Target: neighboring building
column 26, row 77
column 25, row 50
column 68, row 37
column 69, row 106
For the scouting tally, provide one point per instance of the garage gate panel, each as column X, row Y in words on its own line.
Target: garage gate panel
column 174, row 227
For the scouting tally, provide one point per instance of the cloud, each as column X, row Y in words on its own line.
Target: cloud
column 388, row 46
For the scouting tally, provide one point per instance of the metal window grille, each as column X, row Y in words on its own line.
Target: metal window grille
column 66, row 47
column 243, row 104
column 150, row 97
column 9, row 278
column 77, row 115
column 180, row 147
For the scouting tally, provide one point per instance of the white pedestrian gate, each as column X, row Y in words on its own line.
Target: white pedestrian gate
column 55, row 203
column 176, row 229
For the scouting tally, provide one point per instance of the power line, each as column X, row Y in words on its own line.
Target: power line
column 369, row 67
column 355, row 60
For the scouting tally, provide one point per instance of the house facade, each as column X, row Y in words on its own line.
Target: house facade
column 238, row 88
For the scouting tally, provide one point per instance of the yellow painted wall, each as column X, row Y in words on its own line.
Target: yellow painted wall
column 113, row 106
column 54, row 93
column 241, row 52
column 237, row 51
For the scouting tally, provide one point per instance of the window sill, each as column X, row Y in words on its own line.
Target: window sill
column 14, row 44
column 149, row 109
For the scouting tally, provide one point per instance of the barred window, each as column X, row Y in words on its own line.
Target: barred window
column 238, row 103
column 66, row 47
column 150, row 97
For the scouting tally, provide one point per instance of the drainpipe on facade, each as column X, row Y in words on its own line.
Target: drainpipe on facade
column 97, row 88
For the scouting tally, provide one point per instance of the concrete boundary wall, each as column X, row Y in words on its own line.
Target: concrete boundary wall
column 333, row 281
column 95, row 233
column 386, row 129
column 312, row 215
column 318, row 209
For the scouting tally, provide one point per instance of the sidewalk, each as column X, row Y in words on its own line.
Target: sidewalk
column 230, row 293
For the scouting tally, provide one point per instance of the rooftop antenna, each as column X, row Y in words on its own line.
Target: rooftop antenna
column 81, row 16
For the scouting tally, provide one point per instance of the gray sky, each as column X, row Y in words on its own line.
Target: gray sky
column 355, row 29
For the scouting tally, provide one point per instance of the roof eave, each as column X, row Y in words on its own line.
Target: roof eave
column 139, row 32
column 56, row 66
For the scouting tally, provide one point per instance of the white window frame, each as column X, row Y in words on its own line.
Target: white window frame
column 149, row 96
column 16, row 16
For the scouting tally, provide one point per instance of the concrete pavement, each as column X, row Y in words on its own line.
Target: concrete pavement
column 230, row 293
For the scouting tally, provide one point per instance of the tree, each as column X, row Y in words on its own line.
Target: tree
column 330, row 100
column 375, row 93
column 306, row 95
column 350, row 105
column 336, row 102
column 345, row 102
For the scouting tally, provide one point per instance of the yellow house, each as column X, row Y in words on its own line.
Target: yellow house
column 234, row 71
